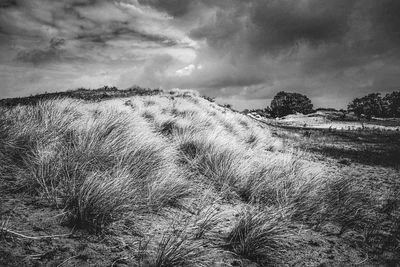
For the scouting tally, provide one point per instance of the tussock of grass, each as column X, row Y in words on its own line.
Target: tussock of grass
column 42, row 167
column 176, row 248
column 169, row 191
column 103, row 198
column 167, row 127
column 345, row 202
column 260, row 236
column 279, row 179
column 220, row 166
column 206, row 225
column 148, row 115
column 216, row 162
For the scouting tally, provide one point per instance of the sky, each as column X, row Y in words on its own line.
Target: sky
column 240, row 52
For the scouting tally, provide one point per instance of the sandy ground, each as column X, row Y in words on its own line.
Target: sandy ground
column 320, row 121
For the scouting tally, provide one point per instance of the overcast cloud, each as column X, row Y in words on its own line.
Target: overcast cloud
column 242, row 52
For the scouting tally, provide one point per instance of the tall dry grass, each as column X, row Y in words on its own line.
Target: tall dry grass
column 95, row 164
column 261, row 236
column 99, row 161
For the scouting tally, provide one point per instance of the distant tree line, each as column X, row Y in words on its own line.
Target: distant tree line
column 373, row 105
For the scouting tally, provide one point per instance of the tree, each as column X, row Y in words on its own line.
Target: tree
column 392, row 104
column 285, row 103
column 369, row 105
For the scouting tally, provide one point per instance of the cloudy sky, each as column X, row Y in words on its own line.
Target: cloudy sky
column 242, row 52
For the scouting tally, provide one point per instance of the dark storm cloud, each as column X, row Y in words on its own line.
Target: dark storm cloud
column 272, row 26
column 251, row 49
column 316, row 47
column 8, row 3
column 386, row 19
column 374, row 36
column 282, row 24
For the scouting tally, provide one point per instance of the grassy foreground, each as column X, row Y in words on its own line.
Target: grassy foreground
column 175, row 180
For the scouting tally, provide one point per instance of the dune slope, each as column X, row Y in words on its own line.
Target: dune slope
column 166, row 180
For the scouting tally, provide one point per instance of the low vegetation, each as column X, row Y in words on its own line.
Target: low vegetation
column 260, row 236
column 370, row 107
column 174, row 180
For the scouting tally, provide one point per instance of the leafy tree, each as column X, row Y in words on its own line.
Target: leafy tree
column 369, row 105
column 392, row 104
column 285, row 103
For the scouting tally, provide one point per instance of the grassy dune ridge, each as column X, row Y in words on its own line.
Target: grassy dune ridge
column 200, row 184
